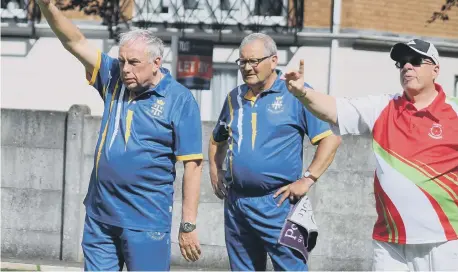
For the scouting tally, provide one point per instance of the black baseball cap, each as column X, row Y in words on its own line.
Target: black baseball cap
column 416, row 46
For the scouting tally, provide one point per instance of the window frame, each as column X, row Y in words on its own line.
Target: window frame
column 151, row 16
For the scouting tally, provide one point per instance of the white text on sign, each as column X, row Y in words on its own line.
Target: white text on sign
column 192, row 67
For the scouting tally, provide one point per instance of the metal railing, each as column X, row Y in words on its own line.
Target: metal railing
column 19, row 11
column 278, row 16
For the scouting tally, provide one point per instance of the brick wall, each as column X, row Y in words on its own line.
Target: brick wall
column 317, row 13
column 399, row 16
column 392, row 16
column 388, row 16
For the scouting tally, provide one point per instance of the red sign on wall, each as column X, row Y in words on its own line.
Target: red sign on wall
column 195, row 64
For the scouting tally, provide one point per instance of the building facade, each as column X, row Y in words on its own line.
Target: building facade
column 345, row 45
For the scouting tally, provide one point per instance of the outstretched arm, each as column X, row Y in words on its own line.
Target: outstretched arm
column 354, row 116
column 69, row 35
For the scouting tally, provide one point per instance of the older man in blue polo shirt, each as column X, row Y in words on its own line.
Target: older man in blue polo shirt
column 149, row 123
column 260, row 133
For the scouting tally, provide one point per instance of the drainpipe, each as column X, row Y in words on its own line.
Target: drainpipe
column 174, row 48
column 336, row 12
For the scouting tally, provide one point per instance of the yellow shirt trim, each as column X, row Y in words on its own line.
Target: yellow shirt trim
column 190, row 157
column 321, row 136
column 250, row 96
column 130, row 115
column 96, row 68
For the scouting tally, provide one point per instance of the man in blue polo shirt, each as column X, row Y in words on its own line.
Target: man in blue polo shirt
column 260, row 133
column 150, row 121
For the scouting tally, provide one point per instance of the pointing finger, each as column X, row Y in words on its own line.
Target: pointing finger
column 301, row 67
column 294, row 75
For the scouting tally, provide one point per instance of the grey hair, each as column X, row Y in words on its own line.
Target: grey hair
column 270, row 48
column 155, row 45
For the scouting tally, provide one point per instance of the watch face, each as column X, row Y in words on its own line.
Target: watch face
column 307, row 174
column 188, row 227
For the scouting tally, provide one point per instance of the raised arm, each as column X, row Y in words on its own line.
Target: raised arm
column 69, row 35
column 321, row 105
column 347, row 115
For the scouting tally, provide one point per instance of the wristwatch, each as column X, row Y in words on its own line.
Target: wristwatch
column 307, row 174
column 187, row 227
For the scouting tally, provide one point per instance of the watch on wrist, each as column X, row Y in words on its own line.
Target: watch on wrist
column 307, row 174
column 187, row 227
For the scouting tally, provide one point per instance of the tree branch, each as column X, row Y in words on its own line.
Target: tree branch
column 442, row 14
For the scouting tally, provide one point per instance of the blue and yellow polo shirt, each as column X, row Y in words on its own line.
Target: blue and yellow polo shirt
column 265, row 137
column 141, row 138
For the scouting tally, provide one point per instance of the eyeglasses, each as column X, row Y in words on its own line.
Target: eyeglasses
column 415, row 61
column 252, row 62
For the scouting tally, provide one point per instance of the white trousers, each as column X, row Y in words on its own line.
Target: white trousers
column 419, row 257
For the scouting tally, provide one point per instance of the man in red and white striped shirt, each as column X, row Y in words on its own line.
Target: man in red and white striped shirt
column 415, row 141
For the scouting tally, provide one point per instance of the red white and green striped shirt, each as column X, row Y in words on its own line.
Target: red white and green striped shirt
column 416, row 180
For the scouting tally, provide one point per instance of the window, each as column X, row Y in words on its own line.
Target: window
column 193, row 11
column 269, row 12
column 268, row 8
column 13, row 9
column 266, row 12
column 227, row 5
column 191, row 4
column 223, row 81
column 211, row 101
column 156, row 11
column 227, row 11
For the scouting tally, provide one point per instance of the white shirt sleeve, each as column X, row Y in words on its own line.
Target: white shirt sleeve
column 357, row 116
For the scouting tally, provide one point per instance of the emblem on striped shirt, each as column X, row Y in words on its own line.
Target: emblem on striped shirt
column 277, row 105
column 435, row 131
column 158, row 107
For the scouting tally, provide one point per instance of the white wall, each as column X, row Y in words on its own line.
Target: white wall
column 47, row 78
column 368, row 72
column 42, row 75
column 316, row 65
column 361, row 72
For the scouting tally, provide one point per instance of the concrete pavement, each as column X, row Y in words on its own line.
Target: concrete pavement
column 8, row 264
